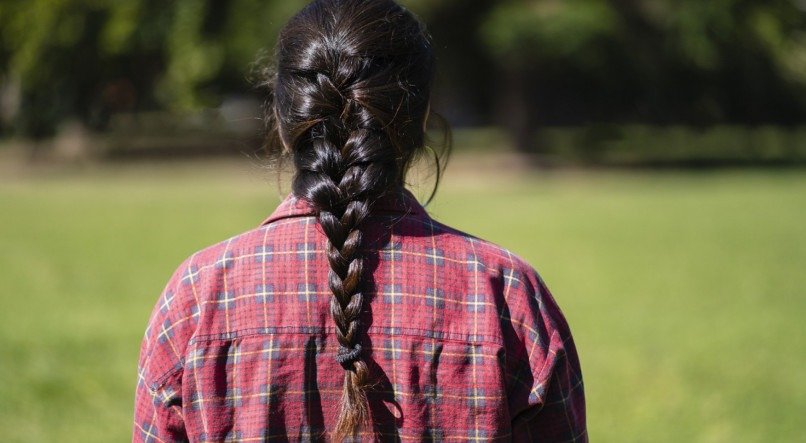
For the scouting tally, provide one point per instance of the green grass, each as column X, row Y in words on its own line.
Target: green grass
column 685, row 291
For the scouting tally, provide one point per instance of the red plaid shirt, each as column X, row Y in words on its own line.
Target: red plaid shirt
column 464, row 339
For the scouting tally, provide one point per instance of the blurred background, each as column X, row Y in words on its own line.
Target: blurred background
column 647, row 156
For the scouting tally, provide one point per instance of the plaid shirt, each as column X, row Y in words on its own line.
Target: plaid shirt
column 463, row 338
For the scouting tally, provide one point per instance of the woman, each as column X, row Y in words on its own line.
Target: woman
column 349, row 313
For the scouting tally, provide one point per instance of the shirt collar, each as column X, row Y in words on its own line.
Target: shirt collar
column 399, row 202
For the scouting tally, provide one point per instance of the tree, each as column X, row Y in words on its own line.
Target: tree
column 655, row 61
column 87, row 59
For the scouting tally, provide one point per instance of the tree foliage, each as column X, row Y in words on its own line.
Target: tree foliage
column 660, row 60
column 86, row 59
column 570, row 61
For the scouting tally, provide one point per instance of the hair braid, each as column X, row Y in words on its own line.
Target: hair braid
column 349, row 99
column 342, row 173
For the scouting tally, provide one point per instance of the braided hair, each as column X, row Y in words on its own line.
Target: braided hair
column 349, row 97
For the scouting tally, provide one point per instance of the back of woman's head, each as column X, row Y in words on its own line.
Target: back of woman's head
column 349, row 99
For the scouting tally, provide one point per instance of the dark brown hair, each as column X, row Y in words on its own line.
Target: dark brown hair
column 348, row 99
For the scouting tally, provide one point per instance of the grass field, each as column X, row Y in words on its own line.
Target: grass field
column 685, row 291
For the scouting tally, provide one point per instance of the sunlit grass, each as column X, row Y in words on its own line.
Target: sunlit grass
column 685, row 291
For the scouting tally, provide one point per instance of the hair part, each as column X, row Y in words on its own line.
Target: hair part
column 348, row 98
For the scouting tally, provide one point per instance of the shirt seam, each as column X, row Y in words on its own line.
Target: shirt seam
column 297, row 330
column 160, row 381
column 163, row 379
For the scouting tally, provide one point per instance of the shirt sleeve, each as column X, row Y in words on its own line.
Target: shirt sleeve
column 158, row 405
column 546, row 396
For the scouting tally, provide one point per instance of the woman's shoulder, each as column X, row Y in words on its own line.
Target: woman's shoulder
column 253, row 245
column 488, row 253
column 198, row 273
